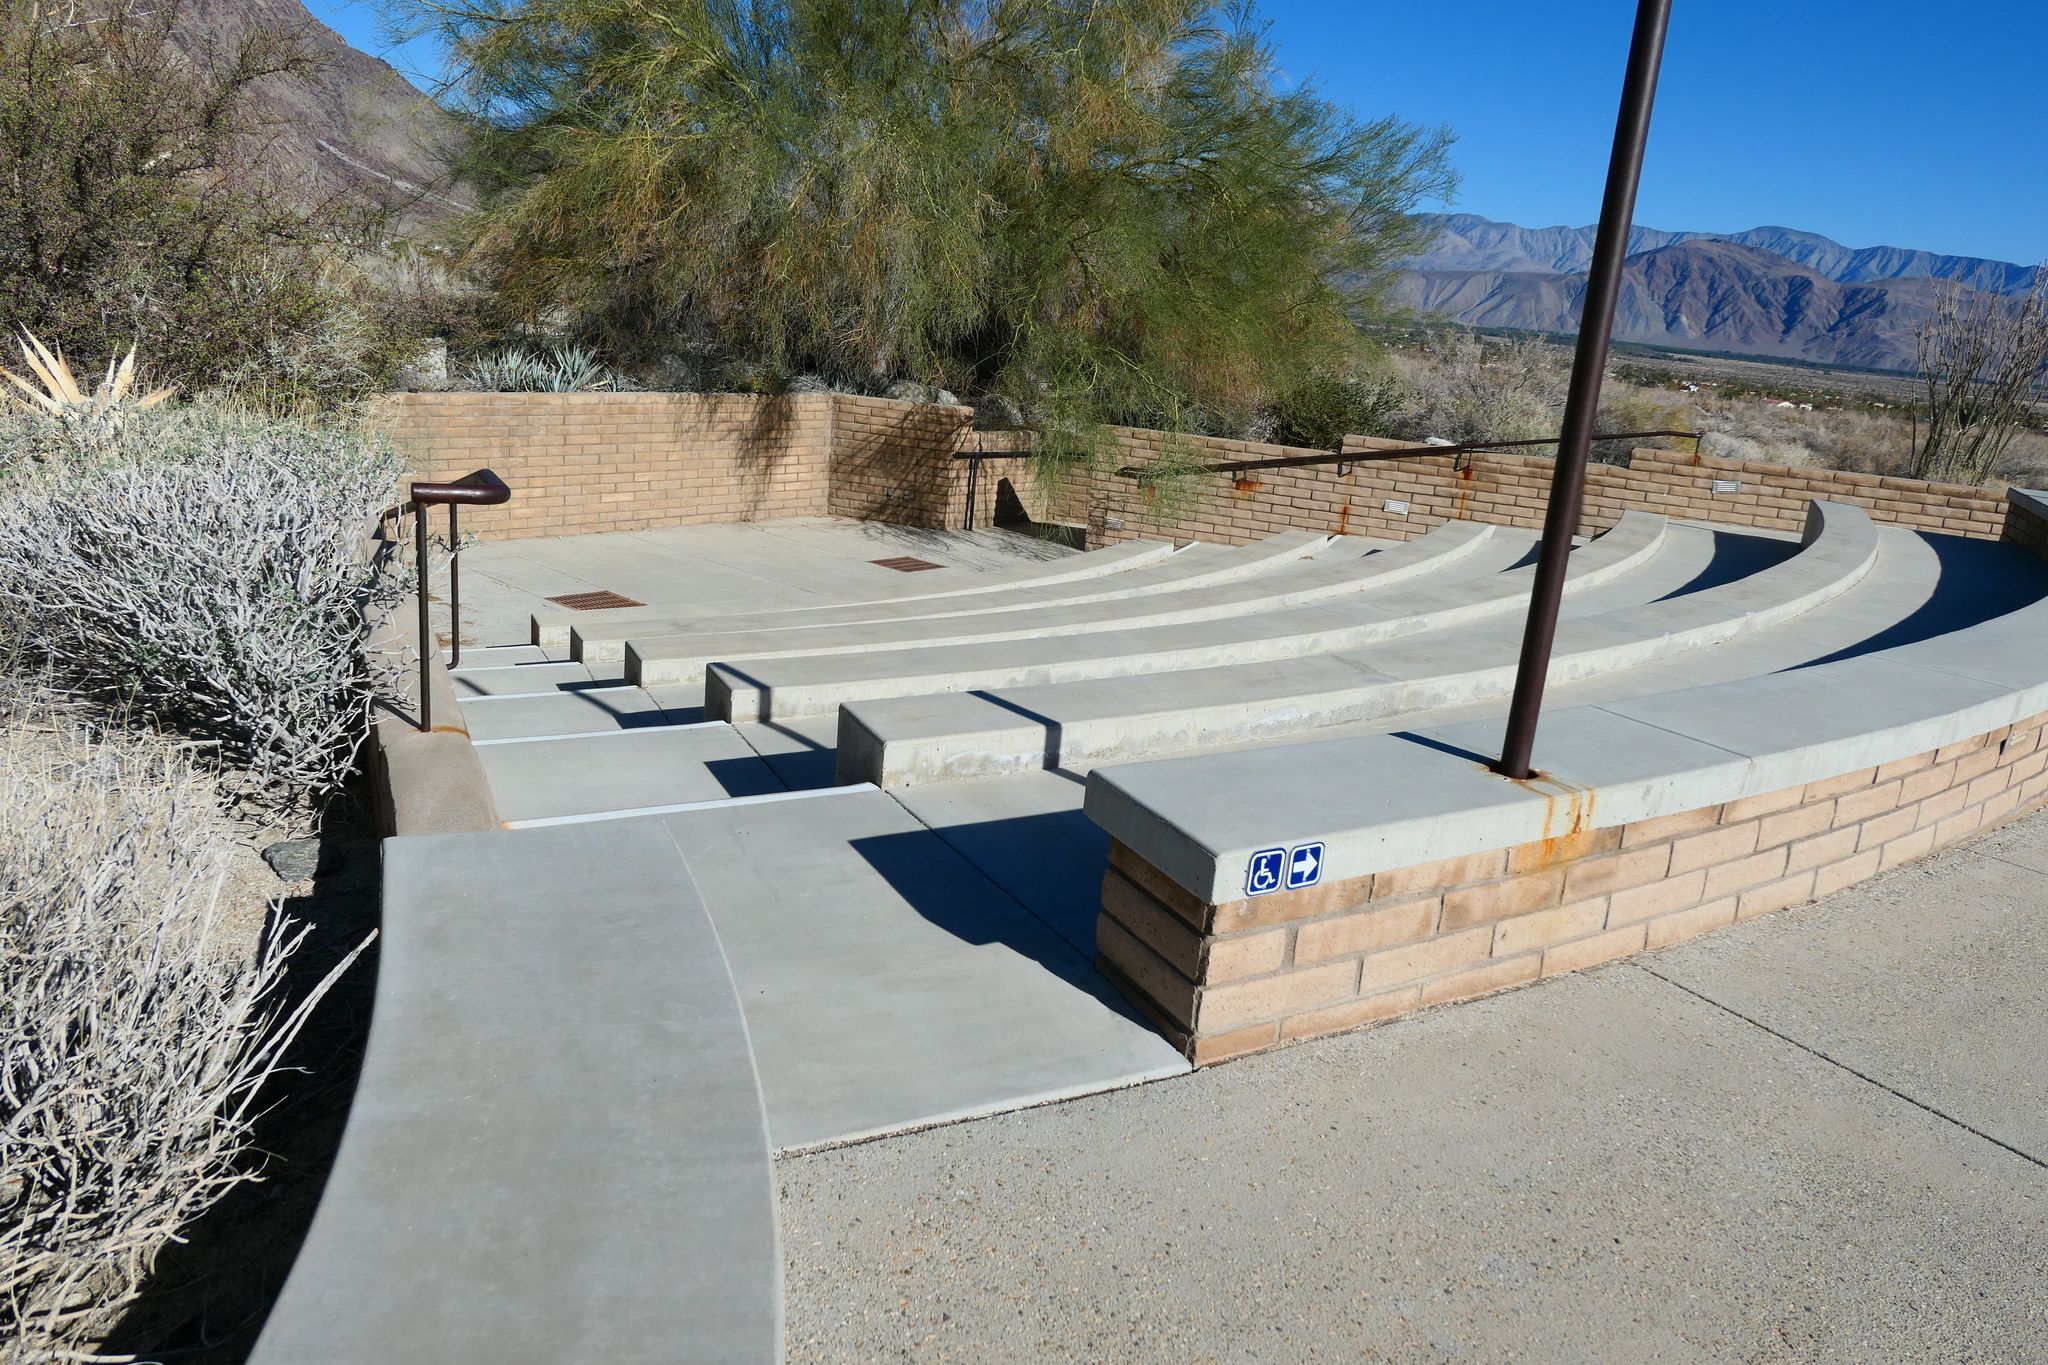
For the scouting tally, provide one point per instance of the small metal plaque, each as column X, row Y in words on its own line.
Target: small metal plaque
column 1397, row 507
column 906, row 564
column 1727, row 486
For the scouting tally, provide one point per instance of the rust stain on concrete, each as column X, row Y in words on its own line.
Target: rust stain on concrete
column 1568, row 831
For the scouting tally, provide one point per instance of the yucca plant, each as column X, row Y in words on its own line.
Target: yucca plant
column 89, row 419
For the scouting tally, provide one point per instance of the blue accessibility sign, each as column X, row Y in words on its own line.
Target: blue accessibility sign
column 1304, row 866
column 1273, row 869
column 1268, row 866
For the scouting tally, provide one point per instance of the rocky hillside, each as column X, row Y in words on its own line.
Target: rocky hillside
column 1768, row 291
column 351, row 126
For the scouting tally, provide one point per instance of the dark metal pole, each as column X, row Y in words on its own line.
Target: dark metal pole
column 1589, row 362
column 419, row 529
column 454, row 591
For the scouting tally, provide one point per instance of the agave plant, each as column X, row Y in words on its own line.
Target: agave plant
column 563, row 369
column 88, row 418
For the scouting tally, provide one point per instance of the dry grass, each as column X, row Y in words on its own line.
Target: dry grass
column 136, row 1030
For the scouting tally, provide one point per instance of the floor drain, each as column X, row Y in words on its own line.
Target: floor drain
column 594, row 601
column 906, row 564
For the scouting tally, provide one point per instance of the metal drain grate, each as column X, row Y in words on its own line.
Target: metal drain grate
column 906, row 564
column 594, row 601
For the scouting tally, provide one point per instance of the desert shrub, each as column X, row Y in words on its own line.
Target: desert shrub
column 1326, row 409
column 134, row 1032
column 1464, row 389
column 1626, row 408
column 208, row 570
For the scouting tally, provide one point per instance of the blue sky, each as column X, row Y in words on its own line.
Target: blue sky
column 1896, row 122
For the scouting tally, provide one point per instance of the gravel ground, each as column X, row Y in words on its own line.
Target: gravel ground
column 1815, row 1137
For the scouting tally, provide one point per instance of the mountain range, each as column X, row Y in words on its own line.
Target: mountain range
column 1769, row 291
column 351, row 125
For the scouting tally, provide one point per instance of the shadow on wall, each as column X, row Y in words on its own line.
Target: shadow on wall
column 770, row 435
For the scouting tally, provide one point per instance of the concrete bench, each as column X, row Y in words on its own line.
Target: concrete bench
column 1334, row 574
column 551, row 629
column 1194, row 565
column 557, row 1149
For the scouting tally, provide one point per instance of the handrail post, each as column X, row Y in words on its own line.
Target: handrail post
column 454, row 591
column 480, row 489
column 419, row 525
column 1589, row 362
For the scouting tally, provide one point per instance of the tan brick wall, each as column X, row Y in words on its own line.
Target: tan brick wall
column 620, row 462
column 596, row 462
column 1514, row 490
column 1237, row 977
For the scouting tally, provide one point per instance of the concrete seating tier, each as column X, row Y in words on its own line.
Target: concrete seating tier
column 551, row 629
column 1469, row 586
column 603, row 639
column 527, row 1177
column 1341, row 571
column 932, row 738
column 1654, row 817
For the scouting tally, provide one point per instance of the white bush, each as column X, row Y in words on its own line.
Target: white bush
column 209, row 570
column 134, row 1031
column 1465, row 389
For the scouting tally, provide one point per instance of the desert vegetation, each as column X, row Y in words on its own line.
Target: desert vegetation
column 184, row 596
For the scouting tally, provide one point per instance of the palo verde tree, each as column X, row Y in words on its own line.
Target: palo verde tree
column 1101, row 210
column 1982, row 357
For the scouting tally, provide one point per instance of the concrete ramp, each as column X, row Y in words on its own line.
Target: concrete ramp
column 887, row 983
column 557, row 1149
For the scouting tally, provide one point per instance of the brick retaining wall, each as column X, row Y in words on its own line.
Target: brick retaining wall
column 611, row 462
column 1514, row 490
column 1227, row 979
column 588, row 462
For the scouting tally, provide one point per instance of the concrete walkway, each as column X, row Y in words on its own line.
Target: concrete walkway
column 1817, row 1136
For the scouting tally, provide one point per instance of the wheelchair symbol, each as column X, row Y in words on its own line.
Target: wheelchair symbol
column 1267, row 868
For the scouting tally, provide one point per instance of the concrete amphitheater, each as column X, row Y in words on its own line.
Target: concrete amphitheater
column 802, row 849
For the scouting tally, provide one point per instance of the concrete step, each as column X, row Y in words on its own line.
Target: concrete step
column 551, row 629
column 1194, row 566
column 589, row 710
column 1331, row 575
column 902, row 741
column 535, row 779
column 557, row 1149
column 526, row 680
column 503, row 656
column 887, row 983
column 753, row 688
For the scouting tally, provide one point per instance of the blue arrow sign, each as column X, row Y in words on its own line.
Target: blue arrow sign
column 1304, row 866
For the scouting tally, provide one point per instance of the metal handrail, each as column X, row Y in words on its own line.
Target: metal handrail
column 479, row 489
column 1364, row 456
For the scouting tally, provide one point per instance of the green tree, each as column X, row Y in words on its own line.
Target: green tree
column 1100, row 209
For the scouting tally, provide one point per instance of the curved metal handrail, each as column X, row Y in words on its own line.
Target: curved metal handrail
column 480, row 488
